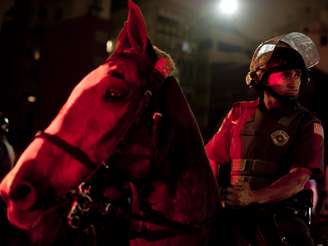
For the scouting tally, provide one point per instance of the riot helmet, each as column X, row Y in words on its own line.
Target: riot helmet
column 290, row 51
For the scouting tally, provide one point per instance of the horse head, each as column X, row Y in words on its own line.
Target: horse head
column 105, row 113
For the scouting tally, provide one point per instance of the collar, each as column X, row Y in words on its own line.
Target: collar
column 286, row 108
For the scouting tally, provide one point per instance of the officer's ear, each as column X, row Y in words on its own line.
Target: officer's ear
column 252, row 79
column 305, row 77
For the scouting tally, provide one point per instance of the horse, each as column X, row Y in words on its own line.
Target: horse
column 122, row 163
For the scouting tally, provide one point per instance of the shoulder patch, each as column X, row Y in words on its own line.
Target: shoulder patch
column 318, row 129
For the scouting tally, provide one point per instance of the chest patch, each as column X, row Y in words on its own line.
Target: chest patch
column 279, row 137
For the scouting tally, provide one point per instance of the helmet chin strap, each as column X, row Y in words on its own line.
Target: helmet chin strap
column 282, row 99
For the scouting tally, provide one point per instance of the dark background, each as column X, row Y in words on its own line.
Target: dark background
column 47, row 47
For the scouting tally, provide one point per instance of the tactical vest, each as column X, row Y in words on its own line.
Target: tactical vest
column 277, row 139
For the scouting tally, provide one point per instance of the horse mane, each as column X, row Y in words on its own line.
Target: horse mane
column 182, row 157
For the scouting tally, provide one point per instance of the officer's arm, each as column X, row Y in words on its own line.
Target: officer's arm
column 283, row 188
column 214, row 168
column 217, row 149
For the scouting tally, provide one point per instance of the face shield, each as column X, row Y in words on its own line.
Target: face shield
column 299, row 42
column 267, row 51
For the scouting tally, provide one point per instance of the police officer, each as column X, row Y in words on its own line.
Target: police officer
column 7, row 154
column 272, row 147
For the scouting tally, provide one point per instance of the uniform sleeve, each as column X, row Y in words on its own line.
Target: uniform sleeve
column 218, row 147
column 309, row 148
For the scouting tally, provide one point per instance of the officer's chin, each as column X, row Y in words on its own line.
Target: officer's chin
column 290, row 93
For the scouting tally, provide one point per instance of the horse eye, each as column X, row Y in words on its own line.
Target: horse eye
column 113, row 95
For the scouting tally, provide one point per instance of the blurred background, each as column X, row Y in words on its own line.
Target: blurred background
column 48, row 46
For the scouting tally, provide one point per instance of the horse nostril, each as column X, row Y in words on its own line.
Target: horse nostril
column 23, row 195
column 20, row 192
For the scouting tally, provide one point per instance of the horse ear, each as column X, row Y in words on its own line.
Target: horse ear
column 134, row 33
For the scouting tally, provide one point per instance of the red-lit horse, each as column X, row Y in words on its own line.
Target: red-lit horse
column 122, row 163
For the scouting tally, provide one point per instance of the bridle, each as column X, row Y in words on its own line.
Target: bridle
column 83, row 200
column 73, row 151
column 79, row 154
column 84, row 159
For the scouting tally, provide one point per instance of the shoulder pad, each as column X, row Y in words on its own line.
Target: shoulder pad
column 246, row 104
column 239, row 108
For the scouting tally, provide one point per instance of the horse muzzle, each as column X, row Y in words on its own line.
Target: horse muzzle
column 23, row 195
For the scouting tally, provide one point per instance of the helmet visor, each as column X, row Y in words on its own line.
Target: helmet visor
column 299, row 42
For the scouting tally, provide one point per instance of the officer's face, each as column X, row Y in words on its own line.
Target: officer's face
column 285, row 83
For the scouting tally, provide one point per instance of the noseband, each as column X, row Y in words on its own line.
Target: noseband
column 75, row 152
